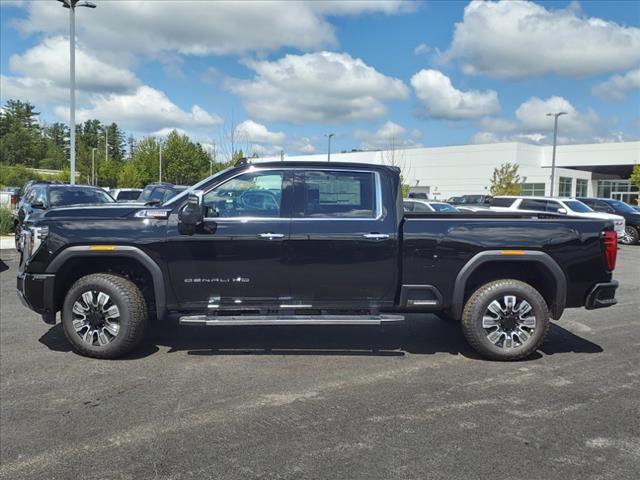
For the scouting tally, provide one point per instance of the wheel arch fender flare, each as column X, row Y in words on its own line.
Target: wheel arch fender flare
column 118, row 251
column 536, row 256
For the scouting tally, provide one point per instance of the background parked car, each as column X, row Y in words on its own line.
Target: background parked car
column 470, row 200
column 630, row 215
column 563, row 206
column 417, row 205
column 43, row 196
column 125, row 194
column 9, row 198
column 158, row 193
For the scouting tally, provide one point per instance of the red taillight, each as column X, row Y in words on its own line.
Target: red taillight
column 610, row 249
column 14, row 200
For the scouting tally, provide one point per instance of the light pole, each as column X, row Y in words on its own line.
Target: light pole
column 555, row 138
column 329, row 145
column 93, row 166
column 71, row 5
column 160, row 160
column 212, row 159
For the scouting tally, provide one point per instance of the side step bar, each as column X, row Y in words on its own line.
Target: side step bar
column 240, row 320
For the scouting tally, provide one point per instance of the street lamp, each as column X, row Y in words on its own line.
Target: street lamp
column 160, row 159
column 93, row 166
column 71, row 5
column 329, row 145
column 555, row 138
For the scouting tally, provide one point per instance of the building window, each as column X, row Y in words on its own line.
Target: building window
column 566, row 183
column 532, row 190
column 581, row 187
column 606, row 188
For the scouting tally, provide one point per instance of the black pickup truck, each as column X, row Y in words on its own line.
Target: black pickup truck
column 314, row 244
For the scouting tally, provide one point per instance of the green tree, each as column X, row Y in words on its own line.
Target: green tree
column 16, row 176
column 505, row 180
column 131, row 177
column 20, row 136
column 635, row 176
column 184, row 162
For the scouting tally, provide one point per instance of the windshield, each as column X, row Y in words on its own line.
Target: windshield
column 128, row 195
column 146, row 193
column 577, row 206
column 443, row 207
column 196, row 186
column 77, row 195
column 622, row 207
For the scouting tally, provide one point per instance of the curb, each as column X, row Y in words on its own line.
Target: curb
column 7, row 243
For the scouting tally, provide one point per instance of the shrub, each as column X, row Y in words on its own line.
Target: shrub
column 6, row 221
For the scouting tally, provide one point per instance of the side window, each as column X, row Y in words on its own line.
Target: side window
column 603, row 207
column 253, row 194
column 338, row 194
column 536, row 205
column 408, row 206
column 40, row 195
column 553, row 206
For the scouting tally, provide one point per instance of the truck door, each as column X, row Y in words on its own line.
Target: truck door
column 343, row 246
column 235, row 261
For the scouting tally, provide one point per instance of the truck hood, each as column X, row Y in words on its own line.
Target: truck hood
column 108, row 210
column 599, row 215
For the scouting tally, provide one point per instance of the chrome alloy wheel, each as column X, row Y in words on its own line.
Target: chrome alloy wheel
column 509, row 322
column 628, row 235
column 96, row 318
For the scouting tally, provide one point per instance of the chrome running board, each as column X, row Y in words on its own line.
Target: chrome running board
column 243, row 320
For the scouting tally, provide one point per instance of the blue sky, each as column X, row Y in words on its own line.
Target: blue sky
column 281, row 75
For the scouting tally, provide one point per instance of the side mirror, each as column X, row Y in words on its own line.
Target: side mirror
column 192, row 213
column 562, row 211
column 38, row 205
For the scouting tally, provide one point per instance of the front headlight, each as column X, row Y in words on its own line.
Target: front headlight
column 31, row 240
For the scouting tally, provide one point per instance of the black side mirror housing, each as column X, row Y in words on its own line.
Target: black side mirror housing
column 192, row 213
column 38, row 205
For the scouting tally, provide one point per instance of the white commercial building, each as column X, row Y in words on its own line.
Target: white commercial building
column 600, row 169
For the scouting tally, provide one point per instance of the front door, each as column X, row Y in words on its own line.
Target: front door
column 343, row 245
column 235, row 260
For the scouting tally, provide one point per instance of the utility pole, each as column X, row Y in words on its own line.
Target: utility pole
column 329, row 145
column 555, row 139
column 71, row 5
column 160, row 143
column 93, row 166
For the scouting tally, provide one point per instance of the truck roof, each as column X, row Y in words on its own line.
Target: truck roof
column 323, row 164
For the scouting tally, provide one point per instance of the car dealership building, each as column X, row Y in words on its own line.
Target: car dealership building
column 600, row 169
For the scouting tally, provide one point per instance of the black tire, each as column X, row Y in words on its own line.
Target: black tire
column 631, row 236
column 132, row 318
column 477, row 307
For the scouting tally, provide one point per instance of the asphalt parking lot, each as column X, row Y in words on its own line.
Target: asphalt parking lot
column 329, row 403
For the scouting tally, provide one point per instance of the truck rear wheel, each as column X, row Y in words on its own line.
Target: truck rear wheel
column 104, row 316
column 505, row 320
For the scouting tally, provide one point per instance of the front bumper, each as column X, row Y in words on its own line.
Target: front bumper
column 36, row 292
column 602, row 295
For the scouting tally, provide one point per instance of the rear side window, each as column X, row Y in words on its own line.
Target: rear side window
column 536, row 205
column 335, row 194
column 128, row 195
column 502, row 202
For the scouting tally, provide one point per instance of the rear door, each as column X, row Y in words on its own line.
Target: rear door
column 343, row 246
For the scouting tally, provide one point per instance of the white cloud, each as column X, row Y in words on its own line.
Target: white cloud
column 49, row 61
column 617, row 87
column 421, row 49
column 316, row 87
column 303, row 145
column 389, row 135
column 532, row 124
column 518, row 39
column 442, row 100
column 145, row 110
column 38, row 91
column 202, row 28
column 533, row 118
column 253, row 132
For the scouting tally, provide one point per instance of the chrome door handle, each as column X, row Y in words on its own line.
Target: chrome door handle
column 376, row 236
column 271, row 236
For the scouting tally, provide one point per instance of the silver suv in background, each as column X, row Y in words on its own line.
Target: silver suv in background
column 563, row 206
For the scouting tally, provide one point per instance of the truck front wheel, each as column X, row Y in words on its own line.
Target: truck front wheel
column 505, row 320
column 104, row 316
